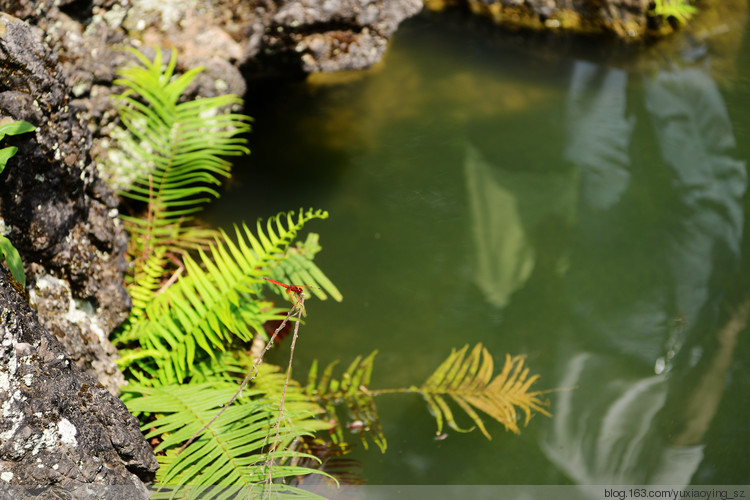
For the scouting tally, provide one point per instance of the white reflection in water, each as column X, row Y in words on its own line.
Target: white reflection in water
column 623, row 345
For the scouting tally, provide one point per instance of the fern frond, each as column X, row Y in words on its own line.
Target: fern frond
column 351, row 391
column 174, row 152
column 234, row 450
column 170, row 157
column 468, row 381
column 681, row 10
column 216, row 299
column 8, row 252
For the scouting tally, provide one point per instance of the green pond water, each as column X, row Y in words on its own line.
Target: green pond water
column 590, row 217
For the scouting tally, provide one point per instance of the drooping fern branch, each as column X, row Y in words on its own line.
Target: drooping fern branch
column 466, row 379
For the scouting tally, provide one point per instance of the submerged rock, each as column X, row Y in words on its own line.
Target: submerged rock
column 60, row 428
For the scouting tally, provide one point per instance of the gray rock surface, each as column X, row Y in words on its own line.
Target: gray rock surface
column 60, row 429
column 336, row 35
column 59, row 215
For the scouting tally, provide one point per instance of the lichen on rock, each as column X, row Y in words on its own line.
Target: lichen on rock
column 59, row 426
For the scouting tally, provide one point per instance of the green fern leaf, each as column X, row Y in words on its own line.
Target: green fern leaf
column 681, row 10
column 13, row 259
column 170, row 157
column 220, row 492
column 174, row 151
column 7, row 251
column 298, row 267
column 234, row 449
column 468, row 381
column 216, row 299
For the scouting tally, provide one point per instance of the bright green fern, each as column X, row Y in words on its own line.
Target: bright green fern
column 681, row 10
column 171, row 158
column 217, row 300
column 229, row 458
column 197, row 295
column 172, row 154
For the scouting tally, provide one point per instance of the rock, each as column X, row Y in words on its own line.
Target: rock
column 260, row 37
column 336, row 34
column 60, row 428
column 627, row 19
column 62, row 218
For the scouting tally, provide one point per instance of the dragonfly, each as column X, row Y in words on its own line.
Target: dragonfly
column 292, row 290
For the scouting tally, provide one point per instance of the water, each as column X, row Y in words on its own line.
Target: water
column 587, row 215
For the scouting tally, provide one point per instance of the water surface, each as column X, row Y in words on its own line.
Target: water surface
column 568, row 208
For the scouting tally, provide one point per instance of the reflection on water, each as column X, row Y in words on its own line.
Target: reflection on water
column 622, row 341
column 503, row 205
column 588, row 217
column 608, row 430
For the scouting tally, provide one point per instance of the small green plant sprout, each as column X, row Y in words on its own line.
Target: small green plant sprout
column 680, row 10
column 8, row 252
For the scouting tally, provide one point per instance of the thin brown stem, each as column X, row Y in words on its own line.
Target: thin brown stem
column 172, row 279
column 299, row 306
column 250, row 376
column 149, row 221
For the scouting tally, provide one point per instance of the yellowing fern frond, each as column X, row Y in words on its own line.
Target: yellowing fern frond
column 468, row 381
